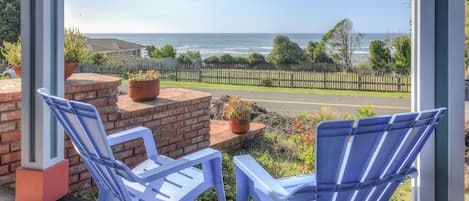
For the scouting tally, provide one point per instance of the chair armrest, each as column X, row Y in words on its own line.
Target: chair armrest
column 133, row 134
column 187, row 161
column 261, row 178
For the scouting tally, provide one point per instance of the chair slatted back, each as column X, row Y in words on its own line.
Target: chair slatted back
column 83, row 126
column 367, row 159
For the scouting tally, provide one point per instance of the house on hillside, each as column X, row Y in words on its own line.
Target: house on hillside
column 115, row 47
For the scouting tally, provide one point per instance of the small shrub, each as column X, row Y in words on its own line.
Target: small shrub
column 267, row 82
column 12, row 52
column 144, row 76
column 236, row 108
column 97, row 58
column 366, row 111
column 74, row 45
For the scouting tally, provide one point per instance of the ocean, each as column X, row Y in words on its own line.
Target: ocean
column 232, row 43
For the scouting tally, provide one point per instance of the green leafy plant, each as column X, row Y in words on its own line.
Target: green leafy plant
column 167, row 51
column 12, row 52
column 189, row 57
column 74, row 46
column 144, row 76
column 255, row 58
column 366, row 111
column 236, row 108
column 97, row 58
column 212, row 60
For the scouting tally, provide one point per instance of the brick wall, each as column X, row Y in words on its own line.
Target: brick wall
column 10, row 114
column 179, row 119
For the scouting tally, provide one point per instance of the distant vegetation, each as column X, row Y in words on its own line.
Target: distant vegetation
column 336, row 47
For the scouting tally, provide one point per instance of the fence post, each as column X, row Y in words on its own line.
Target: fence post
column 200, row 75
column 360, row 81
column 177, row 69
column 279, row 75
column 291, row 79
column 325, row 79
column 399, row 83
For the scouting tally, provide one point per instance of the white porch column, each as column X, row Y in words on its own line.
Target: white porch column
column 42, row 30
column 438, row 81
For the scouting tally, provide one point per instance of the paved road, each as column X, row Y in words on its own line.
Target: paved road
column 295, row 103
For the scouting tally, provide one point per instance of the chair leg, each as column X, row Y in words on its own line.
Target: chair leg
column 218, row 177
column 242, row 186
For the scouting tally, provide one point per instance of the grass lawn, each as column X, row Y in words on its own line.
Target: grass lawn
column 171, row 83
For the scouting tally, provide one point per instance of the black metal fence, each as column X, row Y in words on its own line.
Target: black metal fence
column 291, row 77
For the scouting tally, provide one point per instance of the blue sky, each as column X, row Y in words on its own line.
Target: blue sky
column 235, row 16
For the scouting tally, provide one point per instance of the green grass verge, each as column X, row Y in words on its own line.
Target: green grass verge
column 284, row 90
column 170, row 83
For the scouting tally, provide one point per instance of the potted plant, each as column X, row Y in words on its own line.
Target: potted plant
column 144, row 86
column 11, row 51
column 238, row 112
column 74, row 50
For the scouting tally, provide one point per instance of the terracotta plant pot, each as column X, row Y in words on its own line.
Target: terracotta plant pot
column 239, row 126
column 69, row 68
column 17, row 69
column 144, row 90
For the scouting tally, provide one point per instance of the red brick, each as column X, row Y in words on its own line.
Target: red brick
column 197, row 139
column 190, row 148
column 184, row 116
column 73, row 160
column 4, row 169
column 117, row 148
column 11, row 157
column 107, row 92
column 107, row 109
column 184, row 143
column 123, row 154
column 168, row 120
column 191, row 121
column 15, row 146
column 123, row 123
column 139, row 150
column 77, row 169
column 144, row 118
column 176, row 153
column 108, row 125
column 7, row 106
column 84, row 95
column 98, row 102
column 14, row 166
column 80, row 185
column 198, row 126
column 84, row 175
column 113, row 116
column 7, row 126
column 204, row 118
column 167, row 149
column 153, row 123
column 134, row 160
column 133, row 144
column 10, row 136
column 73, row 179
column 4, row 148
column 5, row 179
column 203, row 144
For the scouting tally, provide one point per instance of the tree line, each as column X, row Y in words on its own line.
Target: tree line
column 337, row 46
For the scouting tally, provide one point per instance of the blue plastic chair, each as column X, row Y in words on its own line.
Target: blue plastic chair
column 355, row 160
column 157, row 178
